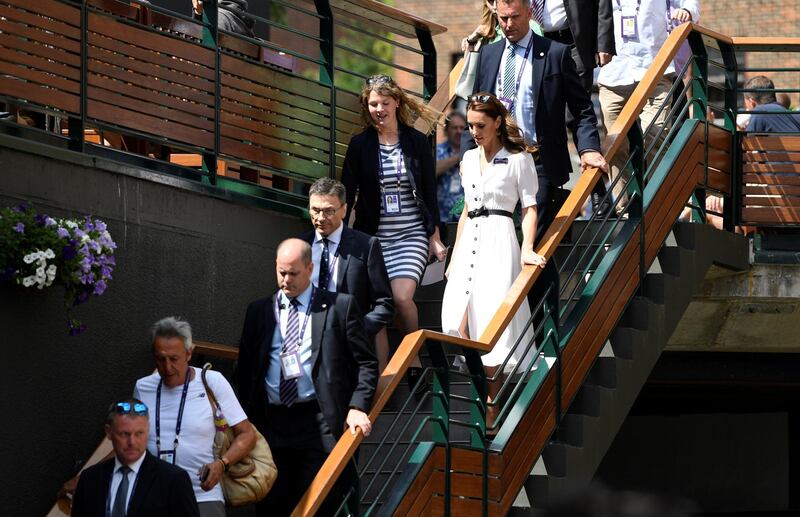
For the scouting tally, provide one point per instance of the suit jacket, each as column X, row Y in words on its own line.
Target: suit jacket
column 344, row 366
column 160, row 489
column 592, row 25
column 360, row 176
column 556, row 86
column 362, row 274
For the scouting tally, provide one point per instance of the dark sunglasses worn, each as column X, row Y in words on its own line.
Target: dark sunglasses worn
column 124, row 408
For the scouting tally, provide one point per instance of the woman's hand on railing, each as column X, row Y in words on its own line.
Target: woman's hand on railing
column 357, row 418
column 530, row 257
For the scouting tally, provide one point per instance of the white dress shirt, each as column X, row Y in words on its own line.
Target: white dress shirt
column 524, row 102
column 554, row 17
column 635, row 55
column 116, row 480
column 333, row 261
column 305, row 387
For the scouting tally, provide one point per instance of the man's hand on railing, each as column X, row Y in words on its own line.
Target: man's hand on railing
column 357, row 418
column 593, row 159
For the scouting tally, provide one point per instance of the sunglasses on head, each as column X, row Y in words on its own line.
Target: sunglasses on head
column 125, row 408
column 378, row 79
column 483, row 99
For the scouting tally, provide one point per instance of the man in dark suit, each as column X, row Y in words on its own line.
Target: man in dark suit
column 133, row 482
column 349, row 261
column 305, row 372
column 587, row 26
column 538, row 87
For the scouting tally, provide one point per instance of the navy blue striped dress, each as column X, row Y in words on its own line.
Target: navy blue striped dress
column 402, row 236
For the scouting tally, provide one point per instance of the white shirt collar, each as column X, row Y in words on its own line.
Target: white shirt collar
column 135, row 466
column 304, row 298
column 333, row 238
column 523, row 43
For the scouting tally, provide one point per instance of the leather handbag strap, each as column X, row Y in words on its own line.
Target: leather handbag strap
column 209, row 393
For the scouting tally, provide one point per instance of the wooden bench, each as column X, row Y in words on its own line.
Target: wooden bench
column 771, row 179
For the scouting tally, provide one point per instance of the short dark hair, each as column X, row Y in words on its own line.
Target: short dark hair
column 113, row 411
column 328, row 187
column 760, row 82
column 450, row 118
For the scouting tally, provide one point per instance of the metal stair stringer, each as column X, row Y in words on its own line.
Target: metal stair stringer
column 589, row 427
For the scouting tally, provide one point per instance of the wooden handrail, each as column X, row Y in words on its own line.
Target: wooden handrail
column 377, row 11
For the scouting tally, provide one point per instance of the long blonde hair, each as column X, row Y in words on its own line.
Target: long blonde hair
column 409, row 108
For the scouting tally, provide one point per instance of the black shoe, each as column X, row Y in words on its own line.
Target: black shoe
column 600, row 209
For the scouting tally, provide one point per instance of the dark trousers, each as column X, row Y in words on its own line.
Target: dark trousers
column 300, row 440
column 549, row 199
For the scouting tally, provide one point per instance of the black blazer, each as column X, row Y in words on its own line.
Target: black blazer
column 160, row 489
column 556, row 86
column 360, row 176
column 362, row 274
column 344, row 365
column 592, row 25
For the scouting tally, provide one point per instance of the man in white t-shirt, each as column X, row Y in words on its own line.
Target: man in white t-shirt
column 181, row 421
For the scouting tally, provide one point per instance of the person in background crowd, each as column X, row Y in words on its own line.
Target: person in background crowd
column 133, row 482
column 306, row 372
column 389, row 167
column 231, row 16
column 769, row 116
column 488, row 30
column 182, row 428
column 640, row 27
column 349, row 261
column 448, row 155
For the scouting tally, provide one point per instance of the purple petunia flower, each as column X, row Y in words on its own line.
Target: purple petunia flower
column 62, row 233
column 49, row 221
column 69, row 251
column 89, row 226
column 19, row 228
column 100, row 226
column 22, row 207
column 99, row 287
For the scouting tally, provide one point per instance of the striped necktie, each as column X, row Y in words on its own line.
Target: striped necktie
column 291, row 342
column 510, row 72
column 538, row 12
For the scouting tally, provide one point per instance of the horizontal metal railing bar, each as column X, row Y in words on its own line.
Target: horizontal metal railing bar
column 365, row 77
column 680, row 118
column 381, row 61
column 278, row 25
column 276, row 48
column 151, row 7
column 380, row 37
column 767, row 69
column 767, row 90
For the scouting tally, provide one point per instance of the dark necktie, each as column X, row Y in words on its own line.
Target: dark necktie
column 324, row 266
column 122, row 493
column 291, row 342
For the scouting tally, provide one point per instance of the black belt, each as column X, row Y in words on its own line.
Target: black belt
column 562, row 36
column 484, row 212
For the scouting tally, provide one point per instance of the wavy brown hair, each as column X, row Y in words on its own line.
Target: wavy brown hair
column 510, row 133
column 409, row 108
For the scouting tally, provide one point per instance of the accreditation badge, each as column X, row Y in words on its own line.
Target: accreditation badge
column 392, row 203
column 168, row 456
column 291, row 365
column 630, row 30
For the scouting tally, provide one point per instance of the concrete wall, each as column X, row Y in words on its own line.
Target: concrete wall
column 181, row 251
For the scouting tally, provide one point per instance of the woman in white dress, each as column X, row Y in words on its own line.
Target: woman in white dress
column 486, row 257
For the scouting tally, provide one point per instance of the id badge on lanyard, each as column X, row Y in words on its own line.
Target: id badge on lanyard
column 391, row 199
column 170, row 455
column 291, row 365
column 629, row 13
column 509, row 102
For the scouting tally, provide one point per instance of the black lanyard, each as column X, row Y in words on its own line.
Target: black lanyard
column 305, row 321
column 180, row 412
column 380, row 167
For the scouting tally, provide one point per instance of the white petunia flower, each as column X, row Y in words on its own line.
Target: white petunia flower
column 28, row 281
column 29, row 258
column 49, row 254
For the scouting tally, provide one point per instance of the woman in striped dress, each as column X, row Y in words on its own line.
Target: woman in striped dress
column 389, row 168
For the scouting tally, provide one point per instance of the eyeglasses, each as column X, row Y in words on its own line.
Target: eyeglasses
column 378, row 79
column 124, row 408
column 483, row 99
column 326, row 212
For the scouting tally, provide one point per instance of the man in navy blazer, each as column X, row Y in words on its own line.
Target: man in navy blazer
column 323, row 348
column 134, row 482
column 545, row 84
column 354, row 262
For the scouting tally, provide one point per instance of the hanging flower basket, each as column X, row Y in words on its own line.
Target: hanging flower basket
column 38, row 251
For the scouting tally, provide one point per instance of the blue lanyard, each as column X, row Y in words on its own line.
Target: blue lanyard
column 180, row 412
column 305, row 320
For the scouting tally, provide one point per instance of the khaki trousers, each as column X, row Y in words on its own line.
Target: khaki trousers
column 612, row 100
